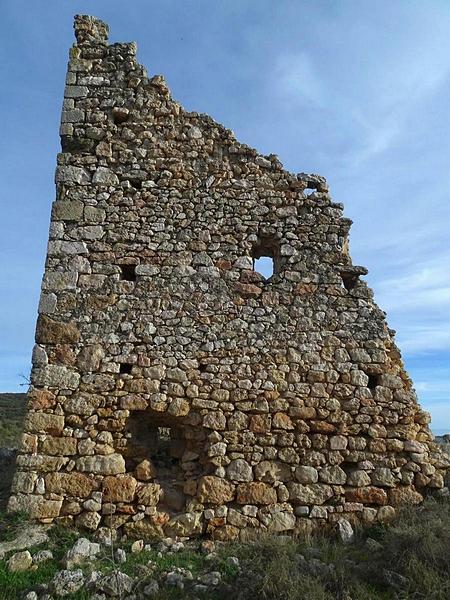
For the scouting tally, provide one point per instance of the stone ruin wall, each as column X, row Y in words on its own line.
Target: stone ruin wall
column 175, row 391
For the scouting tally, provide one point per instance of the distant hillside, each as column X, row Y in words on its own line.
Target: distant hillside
column 12, row 412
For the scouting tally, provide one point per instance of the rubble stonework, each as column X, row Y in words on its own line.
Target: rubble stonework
column 175, row 390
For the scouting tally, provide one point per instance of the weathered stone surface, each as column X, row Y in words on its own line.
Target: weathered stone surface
column 72, row 175
column 67, row 582
column 81, row 551
column 56, row 376
column 90, row 357
column 214, row 490
column 314, row 493
column 143, row 529
column 88, row 520
column 145, row 471
column 37, row 507
column 333, row 474
column 366, row 495
column 304, row 474
column 170, row 376
column 72, row 484
column 40, row 463
column 401, row 496
column 49, row 331
column 103, row 465
column 119, row 488
column 71, row 210
column 358, row 478
column 345, row 530
column 188, row 524
column 20, row 561
column 256, row 492
column 239, row 470
column 281, row 521
column 82, row 404
column 149, row 494
column 272, row 471
column 28, row 536
column 59, row 446
column 104, row 176
column 383, row 477
column 38, row 422
column 115, row 584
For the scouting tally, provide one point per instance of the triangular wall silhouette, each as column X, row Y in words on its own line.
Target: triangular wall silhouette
column 174, row 389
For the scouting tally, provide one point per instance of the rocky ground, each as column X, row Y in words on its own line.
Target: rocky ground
column 407, row 559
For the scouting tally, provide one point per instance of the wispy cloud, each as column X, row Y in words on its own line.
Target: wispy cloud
column 298, row 79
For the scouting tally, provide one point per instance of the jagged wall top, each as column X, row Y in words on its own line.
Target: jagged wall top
column 286, row 397
column 90, row 30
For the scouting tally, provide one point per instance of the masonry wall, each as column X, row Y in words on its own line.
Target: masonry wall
column 175, row 390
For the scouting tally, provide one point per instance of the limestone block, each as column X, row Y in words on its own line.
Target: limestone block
column 37, row 507
column 333, row 474
column 104, row 176
column 239, row 470
column 401, row 496
column 38, row 422
column 281, row 521
column 215, row 420
column 272, row 471
column 55, row 376
column 69, row 174
column 256, row 492
column 88, row 520
column 102, row 465
column 214, row 490
column 120, row 488
column 72, row 484
column 67, row 210
column 19, row 562
column 40, row 462
column 366, row 495
column 59, row 446
column 184, row 525
column 305, row 474
column 56, row 281
column 358, row 478
column 383, row 477
column 313, row 493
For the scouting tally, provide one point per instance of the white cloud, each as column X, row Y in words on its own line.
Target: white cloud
column 423, row 338
column 297, row 79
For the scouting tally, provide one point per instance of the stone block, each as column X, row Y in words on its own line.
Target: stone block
column 256, row 492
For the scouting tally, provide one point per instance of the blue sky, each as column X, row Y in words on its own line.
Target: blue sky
column 354, row 90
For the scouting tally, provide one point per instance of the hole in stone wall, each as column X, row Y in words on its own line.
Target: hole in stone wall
column 120, row 115
column 125, row 368
column 174, row 450
column 128, row 272
column 349, row 281
column 374, row 380
column 264, row 265
column 266, row 257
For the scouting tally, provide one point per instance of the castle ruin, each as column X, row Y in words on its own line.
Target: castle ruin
column 175, row 389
